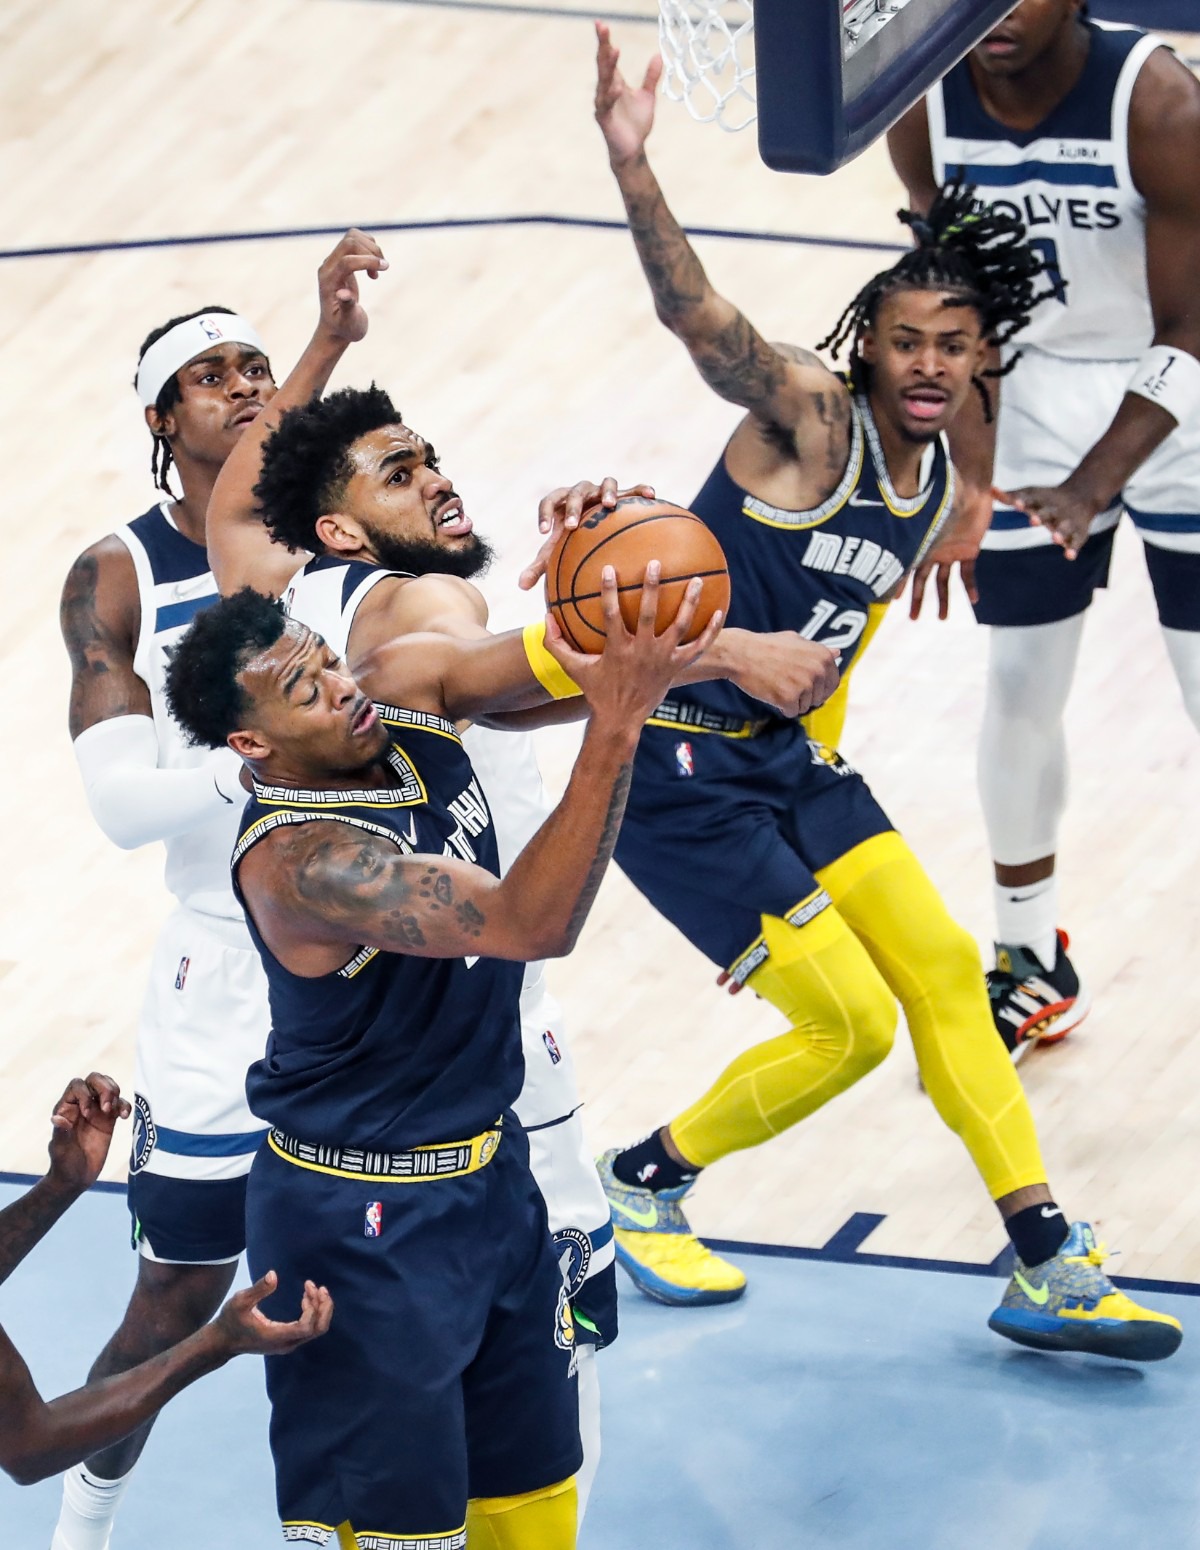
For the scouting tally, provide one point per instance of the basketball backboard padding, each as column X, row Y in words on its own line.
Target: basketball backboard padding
column 817, row 109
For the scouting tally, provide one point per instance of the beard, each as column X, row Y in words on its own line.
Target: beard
column 426, row 557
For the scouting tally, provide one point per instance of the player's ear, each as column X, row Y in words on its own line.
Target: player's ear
column 339, row 533
column 868, row 347
column 248, row 745
column 159, row 424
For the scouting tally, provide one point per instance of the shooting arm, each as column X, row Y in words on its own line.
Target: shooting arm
column 334, row 883
column 1164, row 155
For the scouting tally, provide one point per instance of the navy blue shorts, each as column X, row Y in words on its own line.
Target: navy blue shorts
column 448, row 1371
column 187, row 1221
column 1040, row 585
column 720, row 831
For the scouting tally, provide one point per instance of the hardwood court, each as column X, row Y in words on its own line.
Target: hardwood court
column 530, row 354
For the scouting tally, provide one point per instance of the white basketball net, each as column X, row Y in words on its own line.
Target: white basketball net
column 708, row 49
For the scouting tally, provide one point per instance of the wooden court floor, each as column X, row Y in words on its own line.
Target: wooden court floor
column 530, row 353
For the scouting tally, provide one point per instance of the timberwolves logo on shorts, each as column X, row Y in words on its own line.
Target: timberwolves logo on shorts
column 144, row 1135
column 573, row 1250
column 564, row 1331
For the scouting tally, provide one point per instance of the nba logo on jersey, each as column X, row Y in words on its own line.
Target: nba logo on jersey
column 373, row 1225
column 181, row 973
column 552, row 1048
column 684, row 764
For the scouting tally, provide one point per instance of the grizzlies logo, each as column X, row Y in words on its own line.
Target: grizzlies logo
column 573, row 1250
column 820, row 754
column 564, row 1331
column 144, row 1135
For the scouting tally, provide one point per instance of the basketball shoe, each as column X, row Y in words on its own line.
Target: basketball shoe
column 1032, row 1004
column 659, row 1251
column 1069, row 1304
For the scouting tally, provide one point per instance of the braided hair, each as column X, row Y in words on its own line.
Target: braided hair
column 162, row 457
column 981, row 256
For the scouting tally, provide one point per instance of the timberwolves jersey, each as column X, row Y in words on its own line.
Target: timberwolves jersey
column 174, row 583
column 816, row 571
column 390, row 1051
column 1068, row 179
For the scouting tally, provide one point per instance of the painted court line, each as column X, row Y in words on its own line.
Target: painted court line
column 450, row 223
column 841, row 1249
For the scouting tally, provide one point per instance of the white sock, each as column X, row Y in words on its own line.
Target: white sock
column 589, row 1424
column 89, row 1506
column 1027, row 916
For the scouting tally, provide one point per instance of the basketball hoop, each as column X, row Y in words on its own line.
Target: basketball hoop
column 708, row 50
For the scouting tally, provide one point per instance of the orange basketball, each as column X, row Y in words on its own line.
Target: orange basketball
column 628, row 536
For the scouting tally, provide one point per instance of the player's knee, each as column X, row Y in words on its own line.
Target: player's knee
column 873, row 1016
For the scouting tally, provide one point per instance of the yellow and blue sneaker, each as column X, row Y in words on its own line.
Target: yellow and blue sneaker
column 659, row 1251
column 1069, row 1304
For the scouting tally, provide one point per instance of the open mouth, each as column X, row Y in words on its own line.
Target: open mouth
column 364, row 719
column 451, row 521
column 925, row 403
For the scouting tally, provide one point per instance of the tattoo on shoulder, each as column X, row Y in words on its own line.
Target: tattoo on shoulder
column 100, row 689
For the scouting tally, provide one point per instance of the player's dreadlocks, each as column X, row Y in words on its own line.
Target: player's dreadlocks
column 162, row 458
column 982, row 257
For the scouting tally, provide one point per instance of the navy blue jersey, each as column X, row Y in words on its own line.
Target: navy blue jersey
column 818, row 571
column 391, row 1051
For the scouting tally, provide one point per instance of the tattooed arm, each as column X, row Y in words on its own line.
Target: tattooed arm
column 319, row 888
column 111, row 718
column 786, row 388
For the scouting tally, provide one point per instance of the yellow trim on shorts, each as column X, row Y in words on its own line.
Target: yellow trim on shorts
column 483, row 1149
column 786, row 918
column 550, row 673
column 685, row 729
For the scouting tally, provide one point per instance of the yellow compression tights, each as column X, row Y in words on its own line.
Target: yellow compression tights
column 539, row 1520
column 888, row 937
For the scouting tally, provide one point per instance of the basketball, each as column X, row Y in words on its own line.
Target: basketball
column 628, row 536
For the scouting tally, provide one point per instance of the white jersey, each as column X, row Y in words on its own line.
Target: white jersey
column 1068, row 179
column 174, row 583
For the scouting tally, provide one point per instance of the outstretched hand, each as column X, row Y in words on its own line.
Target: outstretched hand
column 342, row 314
column 1066, row 515
column 248, row 1332
column 629, row 678
column 561, row 510
column 958, row 545
column 625, row 113
column 84, row 1119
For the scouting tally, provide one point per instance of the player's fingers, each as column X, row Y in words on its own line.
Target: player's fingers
column 610, row 605
column 548, row 508
column 608, row 491
column 261, row 1289
column 648, row 606
column 917, row 596
column 105, row 1091
column 966, row 574
column 568, row 658
column 943, row 591
column 653, row 74
column 695, row 649
column 538, row 566
column 584, row 493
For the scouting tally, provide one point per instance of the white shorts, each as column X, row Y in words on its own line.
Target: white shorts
column 205, row 1019
column 1052, row 411
column 562, row 1163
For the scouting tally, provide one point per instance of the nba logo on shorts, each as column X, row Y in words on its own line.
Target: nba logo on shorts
column 373, row 1225
column 552, row 1048
column 181, row 973
column 683, row 759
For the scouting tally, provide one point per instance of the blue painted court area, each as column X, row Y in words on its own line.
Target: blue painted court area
column 839, row 1405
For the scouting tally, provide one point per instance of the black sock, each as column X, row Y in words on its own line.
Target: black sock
column 1037, row 1233
column 648, row 1165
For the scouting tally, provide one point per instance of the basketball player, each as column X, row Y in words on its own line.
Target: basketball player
column 39, row 1439
column 201, row 379
column 795, row 881
column 1091, row 135
column 395, row 553
column 368, row 867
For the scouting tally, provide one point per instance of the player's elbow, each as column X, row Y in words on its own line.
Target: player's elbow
column 24, row 1458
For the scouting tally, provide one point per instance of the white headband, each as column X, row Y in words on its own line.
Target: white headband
column 184, row 342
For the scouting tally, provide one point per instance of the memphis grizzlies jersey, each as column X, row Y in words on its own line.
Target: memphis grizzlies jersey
column 817, row 572
column 390, row 1051
column 174, row 583
column 1068, row 179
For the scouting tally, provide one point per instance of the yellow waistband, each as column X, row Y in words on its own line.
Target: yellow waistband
column 420, row 1165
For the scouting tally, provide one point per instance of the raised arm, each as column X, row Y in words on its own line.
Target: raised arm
column 1164, row 159
column 38, row 1439
column 240, row 548
column 785, row 388
column 332, row 884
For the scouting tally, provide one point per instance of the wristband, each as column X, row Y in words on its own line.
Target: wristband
column 554, row 678
column 1170, row 378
